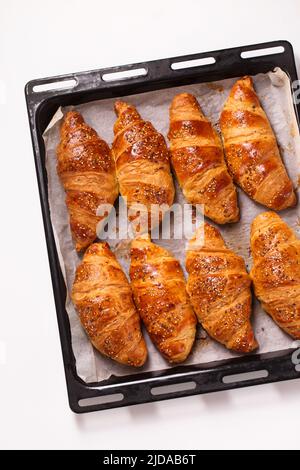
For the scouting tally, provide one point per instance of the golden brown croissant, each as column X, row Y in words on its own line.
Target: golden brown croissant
column 87, row 172
column 159, row 292
column 103, row 298
column 142, row 162
column 276, row 270
column 219, row 289
column 198, row 160
column 251, row 149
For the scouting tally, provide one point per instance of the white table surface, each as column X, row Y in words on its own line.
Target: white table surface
column 47, row 38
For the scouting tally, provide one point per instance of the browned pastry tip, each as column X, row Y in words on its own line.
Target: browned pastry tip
column 120, row 107
column 87, row 171
column 180, row 102
column 198, row 161
column 72, row 119
column 159, row 292
column 103, row 299
column 276, row 270
column 251, row 149
column 219, row 289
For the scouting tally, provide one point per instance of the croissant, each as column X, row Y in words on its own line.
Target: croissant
column 251, row 149
column 159, row 292
column 198, row 161
column 276, row 270
column 219, row 288
column 142, row 163
column 103, row 298
column 87, row 172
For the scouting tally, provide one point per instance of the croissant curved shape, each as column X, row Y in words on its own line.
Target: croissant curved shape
column 276, row 270
column 142, row 163
column 198, row 161
column 219, row 288
column 87, row 171
column 103, row 299
column 159, row 292
column 251, row 149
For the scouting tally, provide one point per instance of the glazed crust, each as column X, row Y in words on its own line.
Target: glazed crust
column 87, row 172
column 103, row 299
column 142, row 162
column 251, row 149
column 159, row 292
column 219, row 289
column 276, row 270
column 198, row 161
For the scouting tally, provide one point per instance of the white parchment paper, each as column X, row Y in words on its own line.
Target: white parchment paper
column 274, row 92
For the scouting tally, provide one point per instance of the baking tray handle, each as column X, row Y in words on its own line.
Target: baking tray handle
column 259, row 371
column 230, row 59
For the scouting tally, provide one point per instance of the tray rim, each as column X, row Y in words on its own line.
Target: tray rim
column 208, row 377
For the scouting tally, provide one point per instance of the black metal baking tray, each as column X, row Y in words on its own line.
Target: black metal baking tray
column 42, row 102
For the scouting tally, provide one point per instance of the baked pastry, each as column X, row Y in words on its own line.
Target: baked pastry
column 159, row 292
column 143, row 170
column 198, row 161
column 276, row 270
column 251, row 149
column 219, row 288
column 103, row 299
column 87, row 172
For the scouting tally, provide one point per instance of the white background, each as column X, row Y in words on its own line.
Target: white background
column 48, row 38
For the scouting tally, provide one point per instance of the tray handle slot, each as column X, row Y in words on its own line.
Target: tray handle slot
column 262, row 52
column 173, row 388
column 186, row 64
column 245, row 376
column 54, row 85
column 101, row 400
column 124, row 74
